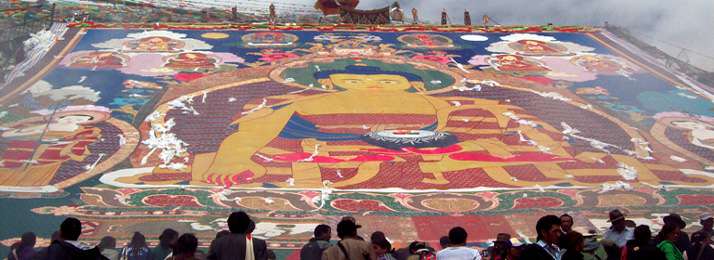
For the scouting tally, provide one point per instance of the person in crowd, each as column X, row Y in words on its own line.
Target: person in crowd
column 707, row 222
column 414, row 249
column 501, row 249
column 444, row 242
column 185, row 248
column 381, row 246
column 349, row 246
column 457, row 247
column 700, row 249
column 25, row 249
column 354, row 220
column 616, row 237
column 107, row 246
column 67, row 247
column 573, row 246
column 566, row 223
column 254, row 242
column 321, row 241
column 137, row 248
column 668, row 236
column 166, row 240
column 682, row 242
column 233, row 246
column 642, row 246
column 548, row 228
column 42, row 252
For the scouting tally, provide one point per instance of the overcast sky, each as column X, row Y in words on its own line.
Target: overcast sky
column 687, row 23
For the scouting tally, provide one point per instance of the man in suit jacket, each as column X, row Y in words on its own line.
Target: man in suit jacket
column 234, row 245
column 548, row 228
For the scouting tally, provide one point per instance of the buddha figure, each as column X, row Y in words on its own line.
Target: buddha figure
column 154, row 44
column 515, row 63
column 535, row 47
column 99, row 59
column 367, row 124
column 191, row 60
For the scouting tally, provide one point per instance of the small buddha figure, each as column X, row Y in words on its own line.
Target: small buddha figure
column 98, row 59
column 467, row 18
column 598, row 64
column 191, row 60
column 415, row 16
column 444, row 17
column 516, row 64
column 535, row 47
column 154, row 44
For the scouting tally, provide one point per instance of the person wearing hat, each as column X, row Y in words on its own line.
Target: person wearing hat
column 707, row 221
column 349, row 247
column 618, row 233
column 501, row 247
column 682, row 242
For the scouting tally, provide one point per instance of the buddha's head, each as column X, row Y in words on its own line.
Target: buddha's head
column 368, row 78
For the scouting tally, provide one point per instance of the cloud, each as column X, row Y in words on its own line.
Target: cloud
column 685, row 23
column 44, row 88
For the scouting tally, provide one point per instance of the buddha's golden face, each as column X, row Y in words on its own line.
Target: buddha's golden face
column 381, row 82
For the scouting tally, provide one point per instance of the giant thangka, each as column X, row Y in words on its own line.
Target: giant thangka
column 411, row 132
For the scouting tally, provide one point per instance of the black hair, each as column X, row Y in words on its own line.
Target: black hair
column 70, row 229
column 346, row 228
column 239, row 222
column 107, row 242
column 186, row 243
column 642, row 234
column 321, row 230
column 444, row 241
column 545, row 223
column 167, row 236
column 667, row 229
column 382, row 242
column 457, row 236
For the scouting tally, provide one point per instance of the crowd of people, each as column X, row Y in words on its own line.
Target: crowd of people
column 556, row 240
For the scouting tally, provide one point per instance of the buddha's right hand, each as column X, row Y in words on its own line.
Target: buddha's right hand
column 234, row 173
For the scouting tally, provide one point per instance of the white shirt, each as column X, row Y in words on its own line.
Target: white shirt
column 458, row 253
column 620, row 238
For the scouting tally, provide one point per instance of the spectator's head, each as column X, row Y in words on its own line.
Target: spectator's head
column 28, row 239
column 222, row 233
column 548, row 228
column 566, row 223
column 381, row 245
column 457, row 236
column 70, row 229
column 416, row 246
column 669, row 232
column 574, row 242
column 239, row 222
column 707, row 221
column 167, row 238
column 346, row 229
column 444, row 242
column 107, row 242
column 643, row 234
column 137, row 240
column 377, row 235
column 323, row 232
column 618, row 220
column 351, row 218
column 503, row 241
column 185, row 245
column 674, row 219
